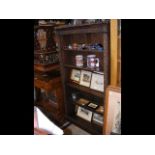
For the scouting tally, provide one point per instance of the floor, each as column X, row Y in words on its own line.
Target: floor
column 74, row 130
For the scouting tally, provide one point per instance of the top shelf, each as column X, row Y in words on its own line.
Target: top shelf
column 80, row 25
column 83, row 29
column 95, row 70
column 76, row 50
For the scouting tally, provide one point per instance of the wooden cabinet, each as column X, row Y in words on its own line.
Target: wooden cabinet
column 47, row 80
column 83, row 40
column 50, row 96
column 45, row 54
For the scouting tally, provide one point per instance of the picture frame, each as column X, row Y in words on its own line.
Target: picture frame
column 85, row 78
column 92, row 105
column 84, row 113
column 97, row 119
column 97, row 82
column 75, row 75
column 112, row 114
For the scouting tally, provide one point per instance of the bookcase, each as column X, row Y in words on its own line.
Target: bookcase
column 76, row 46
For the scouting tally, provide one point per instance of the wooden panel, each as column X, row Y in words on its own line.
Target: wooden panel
column 114, row 51
column 119, row 58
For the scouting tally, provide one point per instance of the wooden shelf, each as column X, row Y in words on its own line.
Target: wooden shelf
column 86, row 89
column 91, row 51
column 80, row 25
column 84, row 68
column 88, row 108
column 83, row 28
column 90, row 127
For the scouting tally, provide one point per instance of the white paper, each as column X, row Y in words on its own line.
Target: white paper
column 97, row 82
column 115, row 100
column 45, row 123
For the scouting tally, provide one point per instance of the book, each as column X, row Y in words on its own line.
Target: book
column 92, row 105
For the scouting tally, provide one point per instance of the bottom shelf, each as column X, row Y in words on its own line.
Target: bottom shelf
column 89, row 127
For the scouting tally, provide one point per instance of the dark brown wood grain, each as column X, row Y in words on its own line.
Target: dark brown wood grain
column 54, row 109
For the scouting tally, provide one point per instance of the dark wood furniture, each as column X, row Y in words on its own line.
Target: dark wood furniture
column 45, row 54
column 83, row 34
column 47, row 81
column 50, row 96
